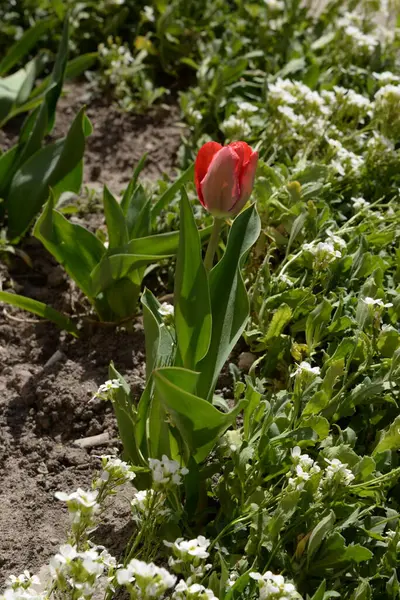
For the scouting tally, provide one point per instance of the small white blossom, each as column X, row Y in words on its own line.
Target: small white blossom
column 78, row 499
column 305, row 367
column 166, row 471
column 274, row 587
column 246, row 109
column 195, row 591
column 235, row 128
column 196, row 548
column 148, row 579
column 359, row 203
column 338, row 471
column 324, row 253
column 166, row 310
column 376, row 302
column 115, row 470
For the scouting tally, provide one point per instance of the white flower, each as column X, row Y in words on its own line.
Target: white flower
column 79, row 498
column 276, row 5
column 304, row 467
column 338, row 471
column 148, row 578
column 386, row 77
column 166, row 471
column 111, row 384
column 116, row 470
column 148, row 12
column 335, row 239
column 285, row 279
column 183, row 591
column 196, row 548
column 65, row 555
column 274, row 587
column 324, row 253
column 376, row 302
column 235, row 128
column 359, row 203
column 166, row 310
column 305, row 367
column 246, row 109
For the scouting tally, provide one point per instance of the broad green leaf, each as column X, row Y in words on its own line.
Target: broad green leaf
column 389, row 438
column 9, row 90
column 198, row 421
column 22, row 47
column 279, row 321
column 319, row 533
column 117, row 266
column 73, row 246
column 46, row 114
column 161, row 244
column 169, row 194
column 40, row 309
column 126, row 415
column 115, row 220
column 191, row 292
column 126, row 198
column 357, row 553
column 136, row 206
column 121, row 298
column 229, row 300
column 50, row 165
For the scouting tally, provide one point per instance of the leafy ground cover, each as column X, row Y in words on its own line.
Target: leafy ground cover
column 299, row 496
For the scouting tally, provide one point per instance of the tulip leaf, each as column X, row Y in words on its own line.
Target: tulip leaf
column 46, row 168
column 115, row 220
column 158, row 339
column 191, row 293
column 73, row 246
column 169, row 194
column 229, row 300
column 125, row 413
column 22, row 47
column 199, row 423
column 40, row 309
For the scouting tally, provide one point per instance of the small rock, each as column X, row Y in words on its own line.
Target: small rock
column 246, row 359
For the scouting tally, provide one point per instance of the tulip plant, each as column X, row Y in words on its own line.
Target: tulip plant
column 29, row 168
column 178, row 414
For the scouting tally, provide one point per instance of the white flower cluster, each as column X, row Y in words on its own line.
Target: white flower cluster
column 303, row 469
column 304, row 368
column 115, row 472
column 189, row 557
column 105, row 389
column 22, row 588
column 274, row 587
column 235, row 128
column 145, row 580
column 359, row 203
column 115, row 57
column 376, row 302
column 324, row 253
column 361, row 43
column 166, row 472
column 344, row 161
column 195, row 591
column 337, row 472
column 82, row 505
column 386, row 77
column 387, row 110
column 146, row 501
column 80, row 571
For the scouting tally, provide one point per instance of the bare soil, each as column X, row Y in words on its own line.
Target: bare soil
column 47, row 378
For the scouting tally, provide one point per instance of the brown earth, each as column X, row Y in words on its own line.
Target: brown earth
column 47, row 378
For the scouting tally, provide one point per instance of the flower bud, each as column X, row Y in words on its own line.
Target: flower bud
column 224, row 177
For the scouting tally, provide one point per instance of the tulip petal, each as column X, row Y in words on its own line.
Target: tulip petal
column 243, row 151
column 203, row 160
column 220, row 186
column 247, row 178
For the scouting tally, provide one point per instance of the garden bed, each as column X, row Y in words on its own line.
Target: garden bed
column 47, row 378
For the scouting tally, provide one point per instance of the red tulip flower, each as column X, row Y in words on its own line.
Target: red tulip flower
column 224, row 177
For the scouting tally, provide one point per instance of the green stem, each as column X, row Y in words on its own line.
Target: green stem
column 213, row 243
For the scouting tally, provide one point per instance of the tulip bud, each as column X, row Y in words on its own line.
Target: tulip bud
column 224, row 177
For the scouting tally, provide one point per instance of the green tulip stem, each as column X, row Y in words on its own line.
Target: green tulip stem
column 213, row 243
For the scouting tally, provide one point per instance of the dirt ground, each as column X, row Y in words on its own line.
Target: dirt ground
column 47, row 378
